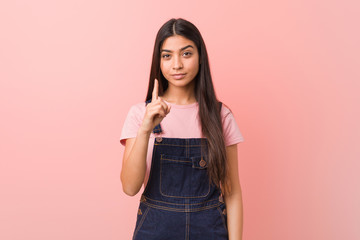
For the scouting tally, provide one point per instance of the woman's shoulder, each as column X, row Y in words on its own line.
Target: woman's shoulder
column 136, row 110
column 232, row 132
column 138, row 106
column 225, row 110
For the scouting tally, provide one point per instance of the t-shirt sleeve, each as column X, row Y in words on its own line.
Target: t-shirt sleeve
column 131, row 124
column 232, row 134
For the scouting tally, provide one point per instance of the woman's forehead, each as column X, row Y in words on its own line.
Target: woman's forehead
column 177, row 43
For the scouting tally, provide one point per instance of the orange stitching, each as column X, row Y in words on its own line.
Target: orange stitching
column 177, row 145
column 141, row 221
column 181, row 203
column 222, row 217
column 181, row 210
column 168, row 159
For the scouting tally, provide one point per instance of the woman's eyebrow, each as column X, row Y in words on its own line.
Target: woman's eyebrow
column 165, row 50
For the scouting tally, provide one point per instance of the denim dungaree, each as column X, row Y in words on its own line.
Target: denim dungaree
column 178, row 202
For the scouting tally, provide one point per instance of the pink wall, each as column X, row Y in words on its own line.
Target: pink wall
column 70, row 70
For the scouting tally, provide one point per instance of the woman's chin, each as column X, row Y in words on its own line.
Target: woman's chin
column 179, row 83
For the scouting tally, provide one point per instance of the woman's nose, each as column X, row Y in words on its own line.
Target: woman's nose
column 177, row 64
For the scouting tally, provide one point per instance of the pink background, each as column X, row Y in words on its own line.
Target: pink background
column 70, row 70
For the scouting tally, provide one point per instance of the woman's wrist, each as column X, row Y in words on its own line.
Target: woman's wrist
column 142, row 131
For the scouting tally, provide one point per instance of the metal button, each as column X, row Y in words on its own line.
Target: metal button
column 202, row 163
column 139, row 212
column 158, row 139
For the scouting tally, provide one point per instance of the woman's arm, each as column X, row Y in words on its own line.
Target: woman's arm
column 233, row 200
column 134, row 163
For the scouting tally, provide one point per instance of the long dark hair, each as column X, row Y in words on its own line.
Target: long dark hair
column 209, row 110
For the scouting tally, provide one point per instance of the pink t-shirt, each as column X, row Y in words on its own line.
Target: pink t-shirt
column 181, row 122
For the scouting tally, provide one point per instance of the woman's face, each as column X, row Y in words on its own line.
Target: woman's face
column 179, row 55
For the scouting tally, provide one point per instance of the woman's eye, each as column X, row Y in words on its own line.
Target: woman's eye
column 187, row 53
column 165, row 55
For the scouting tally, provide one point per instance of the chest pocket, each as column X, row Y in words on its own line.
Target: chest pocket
column 184, row 177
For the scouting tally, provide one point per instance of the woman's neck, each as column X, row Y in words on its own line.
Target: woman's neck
column 179, row 96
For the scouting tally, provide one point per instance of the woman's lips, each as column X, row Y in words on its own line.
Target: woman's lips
column 179, row 76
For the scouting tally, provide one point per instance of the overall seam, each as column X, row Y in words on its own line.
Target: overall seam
column 141, row 221
column 167, row 144
column 222, row 217
column 187, row 221
column 182, row 203
column 182, row 210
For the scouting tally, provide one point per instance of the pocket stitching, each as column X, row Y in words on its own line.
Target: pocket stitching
column 167, row 159
column 141, row 221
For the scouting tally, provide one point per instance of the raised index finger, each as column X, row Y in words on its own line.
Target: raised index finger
column 155, row 91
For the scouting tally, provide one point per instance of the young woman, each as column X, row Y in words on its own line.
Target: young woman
column 181, row 144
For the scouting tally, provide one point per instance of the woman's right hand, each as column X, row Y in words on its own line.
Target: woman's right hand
column 156, row 110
